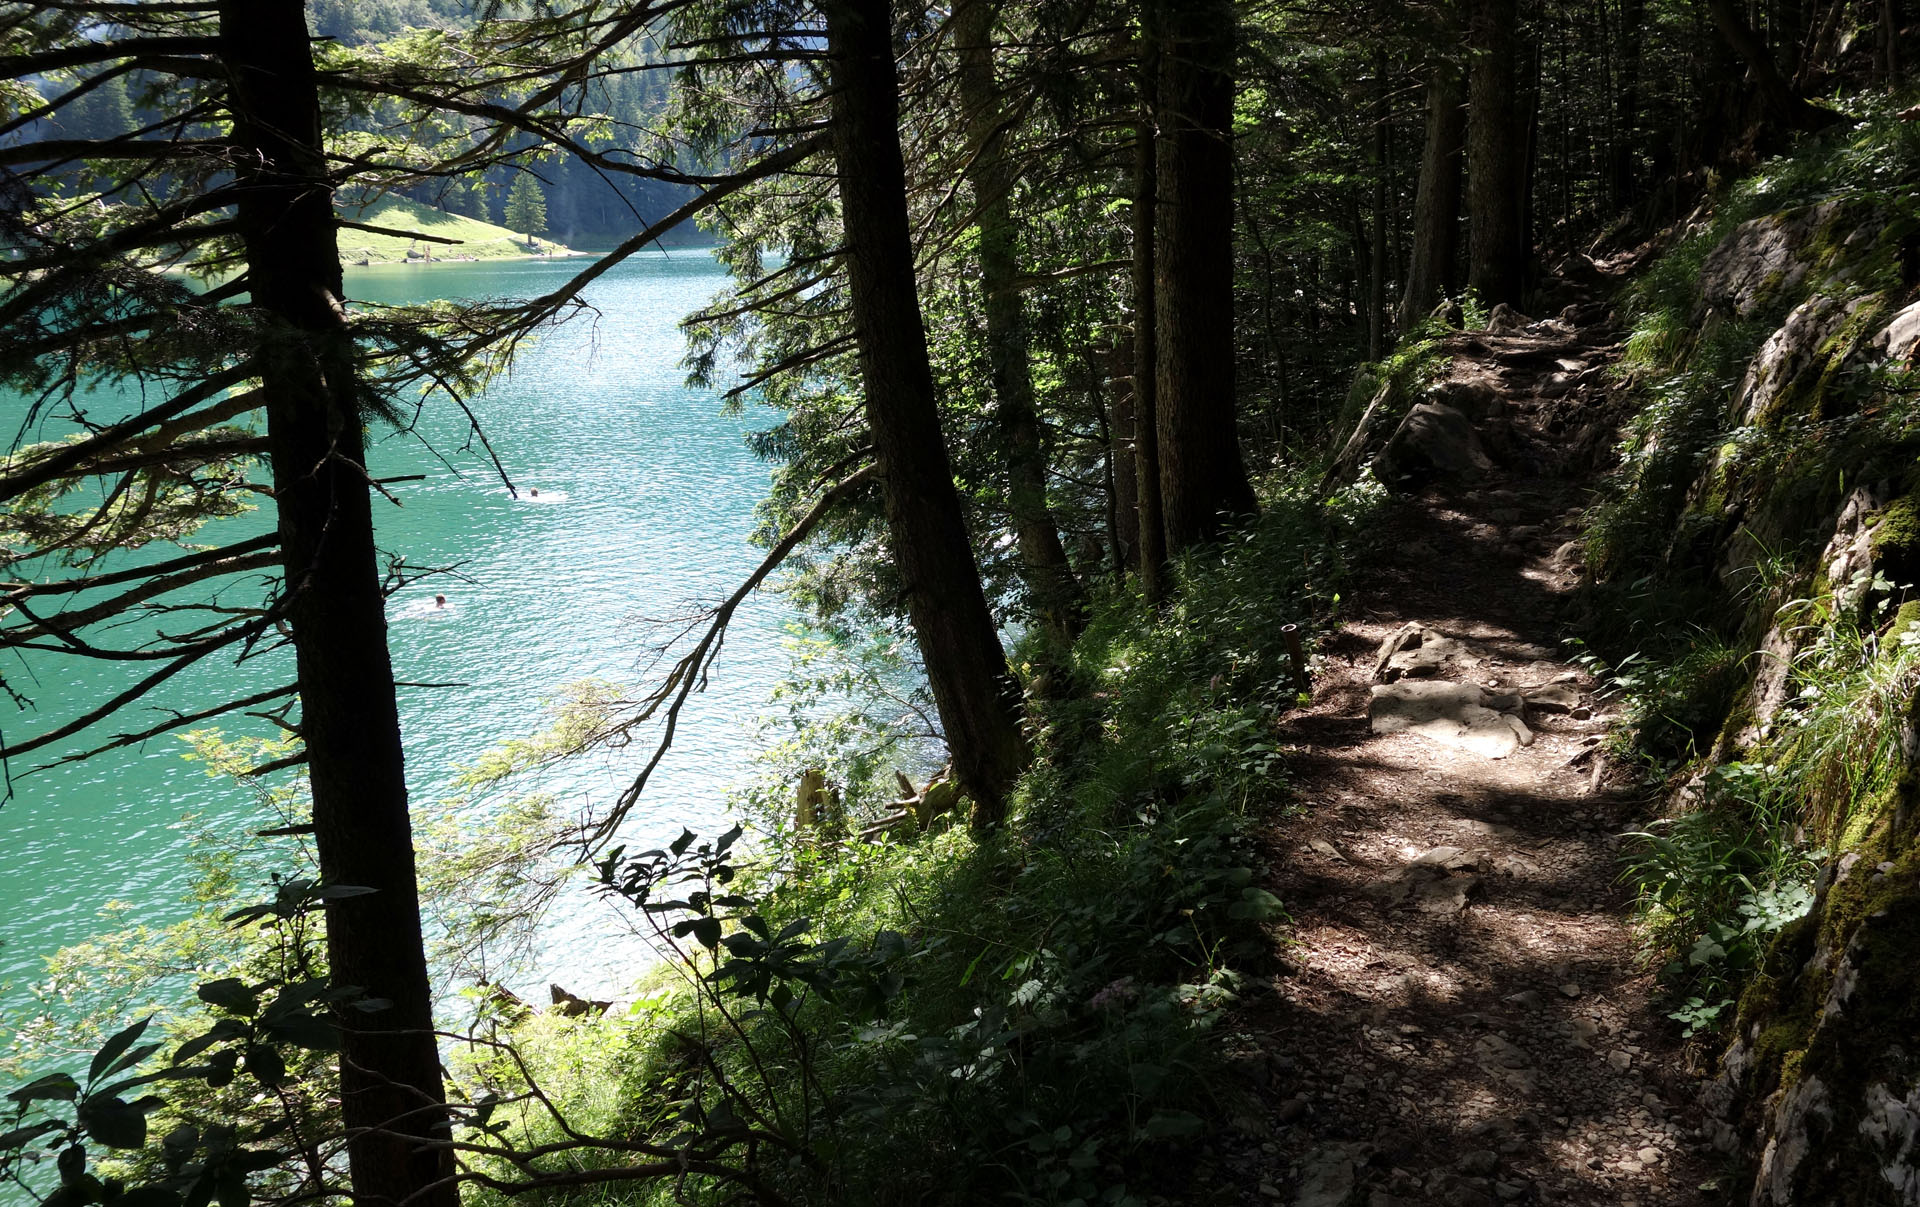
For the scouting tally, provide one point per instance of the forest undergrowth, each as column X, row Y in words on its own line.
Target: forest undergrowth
column 1027, row 1012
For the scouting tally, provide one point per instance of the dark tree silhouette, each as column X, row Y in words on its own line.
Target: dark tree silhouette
column 1203, row 482
column 978, row 701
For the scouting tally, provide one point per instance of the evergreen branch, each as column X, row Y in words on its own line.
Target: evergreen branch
column 178, row 721
column 63, row 461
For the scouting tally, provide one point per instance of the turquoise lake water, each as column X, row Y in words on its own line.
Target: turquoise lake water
column 648, row 492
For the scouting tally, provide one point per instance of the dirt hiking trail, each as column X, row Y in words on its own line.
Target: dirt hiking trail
column 1461, row 1017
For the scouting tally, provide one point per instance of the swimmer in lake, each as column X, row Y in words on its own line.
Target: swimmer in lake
column 533, row 492
column 439, row 601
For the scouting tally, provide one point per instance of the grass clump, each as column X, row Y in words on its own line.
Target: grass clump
column 1719, row 881
column 1716, row 884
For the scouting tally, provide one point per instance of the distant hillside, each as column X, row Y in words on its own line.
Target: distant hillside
column 478, row 240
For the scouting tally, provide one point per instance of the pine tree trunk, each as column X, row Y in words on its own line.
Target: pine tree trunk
column 1436, row 206
column 1496, row 156
column 1783, row 105
column 1203, row 483
column 1146, row 339
column 1529, row 165
column 1123, row 430
column 1049, row 577
column 1890, row 42
column 390, row 1085
column 978, row 701
column 1626, row 109
column 1377, row 321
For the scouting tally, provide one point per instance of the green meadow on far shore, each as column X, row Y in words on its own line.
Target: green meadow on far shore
column 477, row 240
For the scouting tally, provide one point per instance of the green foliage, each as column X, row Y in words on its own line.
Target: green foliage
column 241, row 1105
column 1413, row 365
column 1718, row 882
column 1850, row 686
column 1676, row 694
column 853, row 705
column 1686, row 458
column 1715, row 511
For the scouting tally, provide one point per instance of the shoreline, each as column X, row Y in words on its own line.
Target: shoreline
column 566, row 254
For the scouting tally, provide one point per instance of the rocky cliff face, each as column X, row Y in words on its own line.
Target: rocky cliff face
column 1783, row 470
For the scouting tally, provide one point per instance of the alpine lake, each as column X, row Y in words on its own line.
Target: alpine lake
column 647, row 491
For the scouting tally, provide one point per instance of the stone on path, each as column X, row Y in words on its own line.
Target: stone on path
column 1554, row 697
column 1504, row 1061
column 1433, row 441
column 1453, row 859
column 1321, row 846
column 1447, row 896
column 1326, row 1176
column 1505, row 318
column 1426, row 883
column 1452, row 714
column 1415, row 651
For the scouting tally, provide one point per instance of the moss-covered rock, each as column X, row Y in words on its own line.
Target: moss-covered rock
column 1905, row 621
column 1895, row 540
column 1828, row 1048
column 1764, row 260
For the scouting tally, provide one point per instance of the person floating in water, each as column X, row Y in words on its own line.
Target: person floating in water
column 533, row 492
column 439, row 601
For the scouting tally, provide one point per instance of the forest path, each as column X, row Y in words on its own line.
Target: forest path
column 1462, row 1018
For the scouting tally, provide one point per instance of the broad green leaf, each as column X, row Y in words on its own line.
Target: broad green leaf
column 54, row 1085
column 103, row 1061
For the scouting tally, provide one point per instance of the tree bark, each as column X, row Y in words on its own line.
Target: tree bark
column 1123, row 430
column 1496, row 156
column 1203, row 482
column 1782, row 104
column 392, row 1100
column 1530, row 165
column 978, row 701
column 1748, row 44
column 1436, row 205
column 1626, row 105
column 1890, row 42
column 1377, row 320
column 1049, row 578
column 1146, row 338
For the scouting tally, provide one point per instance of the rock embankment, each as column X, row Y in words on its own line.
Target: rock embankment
column 1818, row 1096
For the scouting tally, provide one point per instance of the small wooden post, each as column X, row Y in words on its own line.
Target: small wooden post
column 1298, row 656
